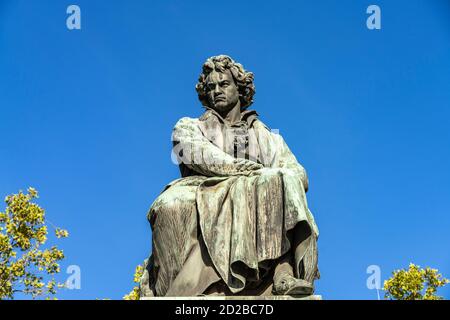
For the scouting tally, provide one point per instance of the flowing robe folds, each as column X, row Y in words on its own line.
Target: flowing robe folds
column 243, row 220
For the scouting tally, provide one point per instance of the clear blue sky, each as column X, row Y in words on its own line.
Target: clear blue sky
column 86, row 118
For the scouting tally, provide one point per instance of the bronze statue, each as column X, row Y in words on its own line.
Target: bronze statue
column 237, row 221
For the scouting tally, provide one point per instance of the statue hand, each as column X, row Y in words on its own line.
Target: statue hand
column 246, row 165
column 271, row 171
column 258, row 172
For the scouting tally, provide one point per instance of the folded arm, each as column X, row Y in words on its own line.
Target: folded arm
column 194, row 150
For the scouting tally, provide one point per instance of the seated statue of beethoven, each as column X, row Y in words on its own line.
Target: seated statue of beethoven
column 237, row 222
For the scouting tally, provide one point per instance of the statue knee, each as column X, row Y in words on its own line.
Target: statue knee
column 174, row 201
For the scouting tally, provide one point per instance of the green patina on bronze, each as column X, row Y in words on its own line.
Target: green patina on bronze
column 237, row 222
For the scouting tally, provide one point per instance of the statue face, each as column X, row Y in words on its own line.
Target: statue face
column 223, row 93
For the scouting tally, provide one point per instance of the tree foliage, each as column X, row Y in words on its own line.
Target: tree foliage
column 135, row 292
column 414, row 284
column 25, row 265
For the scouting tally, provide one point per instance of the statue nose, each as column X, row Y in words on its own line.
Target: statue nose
column 217, row 90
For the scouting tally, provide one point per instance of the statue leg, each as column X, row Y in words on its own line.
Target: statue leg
column 196, row 275
column 180, row 265
column 173, row 219
column 297, row 269
column 305, row 253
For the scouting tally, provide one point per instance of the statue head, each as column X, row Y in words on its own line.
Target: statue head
column 223, row 84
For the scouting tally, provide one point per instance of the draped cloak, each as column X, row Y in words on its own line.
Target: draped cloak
column 242, row 218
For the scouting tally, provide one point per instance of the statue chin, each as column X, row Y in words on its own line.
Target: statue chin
column 222, row 108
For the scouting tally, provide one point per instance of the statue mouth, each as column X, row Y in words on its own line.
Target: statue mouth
column 219, row 99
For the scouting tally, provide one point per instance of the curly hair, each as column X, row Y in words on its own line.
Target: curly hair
column 242, row 78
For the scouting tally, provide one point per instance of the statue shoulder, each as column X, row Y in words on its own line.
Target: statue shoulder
column 274, row 134
column 259, row 125
column 186, row 122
